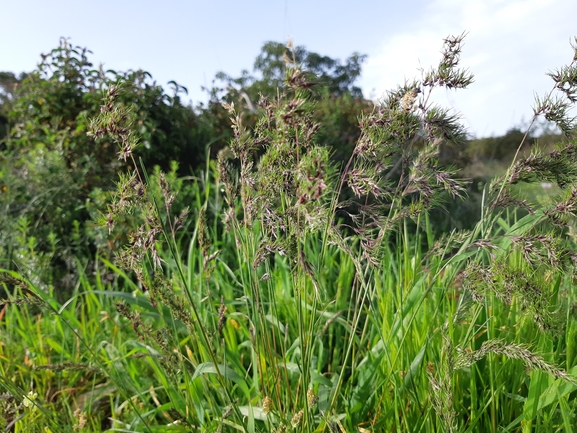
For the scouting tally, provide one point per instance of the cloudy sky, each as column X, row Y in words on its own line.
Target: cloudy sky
column 510, row 44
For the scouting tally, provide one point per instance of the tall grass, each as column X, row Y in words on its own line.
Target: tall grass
column 311, row 297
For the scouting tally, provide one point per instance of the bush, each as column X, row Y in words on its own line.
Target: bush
column 51, row 169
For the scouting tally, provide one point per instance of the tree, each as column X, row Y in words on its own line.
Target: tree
column 339, row 101
column 270, row 67
column 52, row 170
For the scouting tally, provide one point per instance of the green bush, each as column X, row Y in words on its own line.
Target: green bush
column 51, row 170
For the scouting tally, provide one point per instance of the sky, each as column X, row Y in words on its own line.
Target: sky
column 509, row 47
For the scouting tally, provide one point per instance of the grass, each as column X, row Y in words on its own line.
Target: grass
column 86, row 351
column 309, row 297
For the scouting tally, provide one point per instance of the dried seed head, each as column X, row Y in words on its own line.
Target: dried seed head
column 297, row 418
column 221, row 314
column 281, row 428
column 81, row 419
column 408, row 99
column 266, row 405
column 312, row 399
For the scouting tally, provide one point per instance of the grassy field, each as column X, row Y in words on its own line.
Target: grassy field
column 393, row 348
column 297, row 296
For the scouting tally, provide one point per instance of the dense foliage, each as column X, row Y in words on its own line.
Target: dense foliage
column 53, row 173
column 290, row 285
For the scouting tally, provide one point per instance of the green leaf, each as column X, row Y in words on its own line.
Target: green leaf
column 225, row 372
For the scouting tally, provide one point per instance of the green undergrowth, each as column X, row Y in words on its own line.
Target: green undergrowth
column 91, row 369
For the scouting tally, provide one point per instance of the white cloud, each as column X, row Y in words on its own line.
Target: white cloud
column 509, row 48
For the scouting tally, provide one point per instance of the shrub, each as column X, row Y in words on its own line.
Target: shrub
column 52, row 170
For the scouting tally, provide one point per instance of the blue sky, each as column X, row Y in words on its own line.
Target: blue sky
column 509, row 47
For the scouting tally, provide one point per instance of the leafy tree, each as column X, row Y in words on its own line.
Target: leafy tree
column 66, row 90
column 336, row 77
column 270, row 68
column 338, row 119
column 339, row 101
column 52, row 171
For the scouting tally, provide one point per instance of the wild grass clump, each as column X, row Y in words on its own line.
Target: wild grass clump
column 314, row 297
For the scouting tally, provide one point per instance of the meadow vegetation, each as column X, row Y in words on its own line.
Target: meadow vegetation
column 301, row 280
